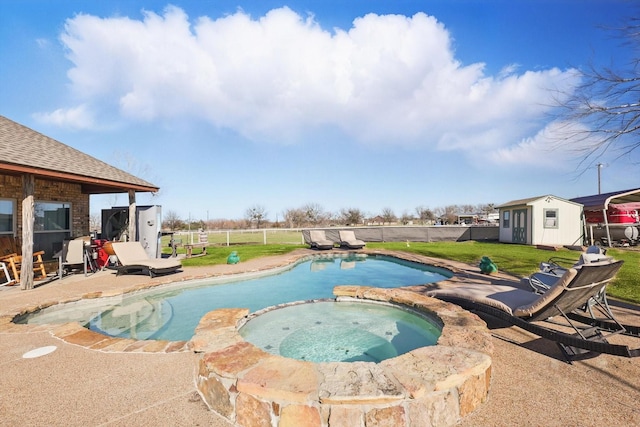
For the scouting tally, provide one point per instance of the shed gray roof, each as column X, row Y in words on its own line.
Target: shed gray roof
column 27, row 151
column 530, row 200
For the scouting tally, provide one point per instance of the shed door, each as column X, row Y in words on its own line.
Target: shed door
column 520, row 226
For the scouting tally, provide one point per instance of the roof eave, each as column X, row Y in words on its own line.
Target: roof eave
column 89, row 185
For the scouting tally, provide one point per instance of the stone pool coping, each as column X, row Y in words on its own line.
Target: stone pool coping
column 435, row 385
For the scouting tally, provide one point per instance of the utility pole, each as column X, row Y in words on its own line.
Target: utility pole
column 599, row 165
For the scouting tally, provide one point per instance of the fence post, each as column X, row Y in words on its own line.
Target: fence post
column 264, row 236
column 227, row 237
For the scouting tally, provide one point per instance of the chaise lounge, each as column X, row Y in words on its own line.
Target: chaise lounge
column 318, row 240
column 133, row 258
column 575, row 292
column 348, row 240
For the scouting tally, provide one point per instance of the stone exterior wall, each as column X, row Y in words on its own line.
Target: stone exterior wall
column 49, row 191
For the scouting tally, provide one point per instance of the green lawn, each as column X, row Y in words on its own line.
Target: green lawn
column 519, row 260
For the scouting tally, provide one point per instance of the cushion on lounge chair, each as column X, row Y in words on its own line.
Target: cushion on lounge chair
column 527, row 310
column 348, row 239
column 133, row 257
column 319, row 240
column 505, row 298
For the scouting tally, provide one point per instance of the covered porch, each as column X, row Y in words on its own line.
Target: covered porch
column 44, row 197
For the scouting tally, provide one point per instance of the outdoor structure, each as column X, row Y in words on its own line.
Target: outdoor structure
column 612, row 217
column 45, row 187
column 543, row 220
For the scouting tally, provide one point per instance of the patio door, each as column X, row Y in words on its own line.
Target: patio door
column 519, row 226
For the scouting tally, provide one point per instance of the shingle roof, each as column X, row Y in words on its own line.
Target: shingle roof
column 23, row 150
column 531, row 200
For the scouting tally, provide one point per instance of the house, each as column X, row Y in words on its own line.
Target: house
column 45, row 187
column 543, row 220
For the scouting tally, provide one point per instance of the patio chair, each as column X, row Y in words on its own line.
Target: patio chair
column 10, row 254
column 133, row 258
column 348, row 240
column 73, row 254
column 560, row 305
column 318, row 240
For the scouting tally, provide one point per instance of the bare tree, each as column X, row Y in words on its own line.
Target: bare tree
column 257, row 214
column 314, row 214
column 95, row 222
column 294, row 217
column 172, row 220
column 351, row 216
column 606, row 104
column 450, row 214
column 406, row 218
column 388, row 216
column 425, row 215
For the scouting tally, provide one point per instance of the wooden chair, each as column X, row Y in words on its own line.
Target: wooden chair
column 10, row 254
column 7, row 277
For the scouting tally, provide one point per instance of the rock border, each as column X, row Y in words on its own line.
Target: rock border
column 429, row 386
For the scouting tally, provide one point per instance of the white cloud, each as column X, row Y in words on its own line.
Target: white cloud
column 548, row 149
column 388, row 79
column 74, row 118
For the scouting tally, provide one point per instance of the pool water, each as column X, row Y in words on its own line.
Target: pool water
column 173, row 312
column 324, row 331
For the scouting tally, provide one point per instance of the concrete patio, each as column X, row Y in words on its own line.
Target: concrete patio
column 138, row 385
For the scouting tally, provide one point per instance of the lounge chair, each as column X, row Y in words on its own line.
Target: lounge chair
column 348, row 240
column 133, row 258
column 318, row 240
column 552, row 270
column 566, row 299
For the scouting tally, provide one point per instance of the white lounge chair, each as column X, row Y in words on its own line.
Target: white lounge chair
column 318, row 240
column 348, row 239
column 133, row 258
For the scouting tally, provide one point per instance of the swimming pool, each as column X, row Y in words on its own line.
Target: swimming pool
column 172, row 312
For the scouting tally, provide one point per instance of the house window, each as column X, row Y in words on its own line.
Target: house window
column 550, row 218
column 52, row 216
column 7, row 216
column 506, row 216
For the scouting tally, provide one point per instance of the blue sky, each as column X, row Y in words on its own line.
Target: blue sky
column 362, row 104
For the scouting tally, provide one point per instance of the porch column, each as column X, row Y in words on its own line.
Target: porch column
column 132, row 216
column 28, row 214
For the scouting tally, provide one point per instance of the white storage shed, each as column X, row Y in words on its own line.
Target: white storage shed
column 543, row 220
